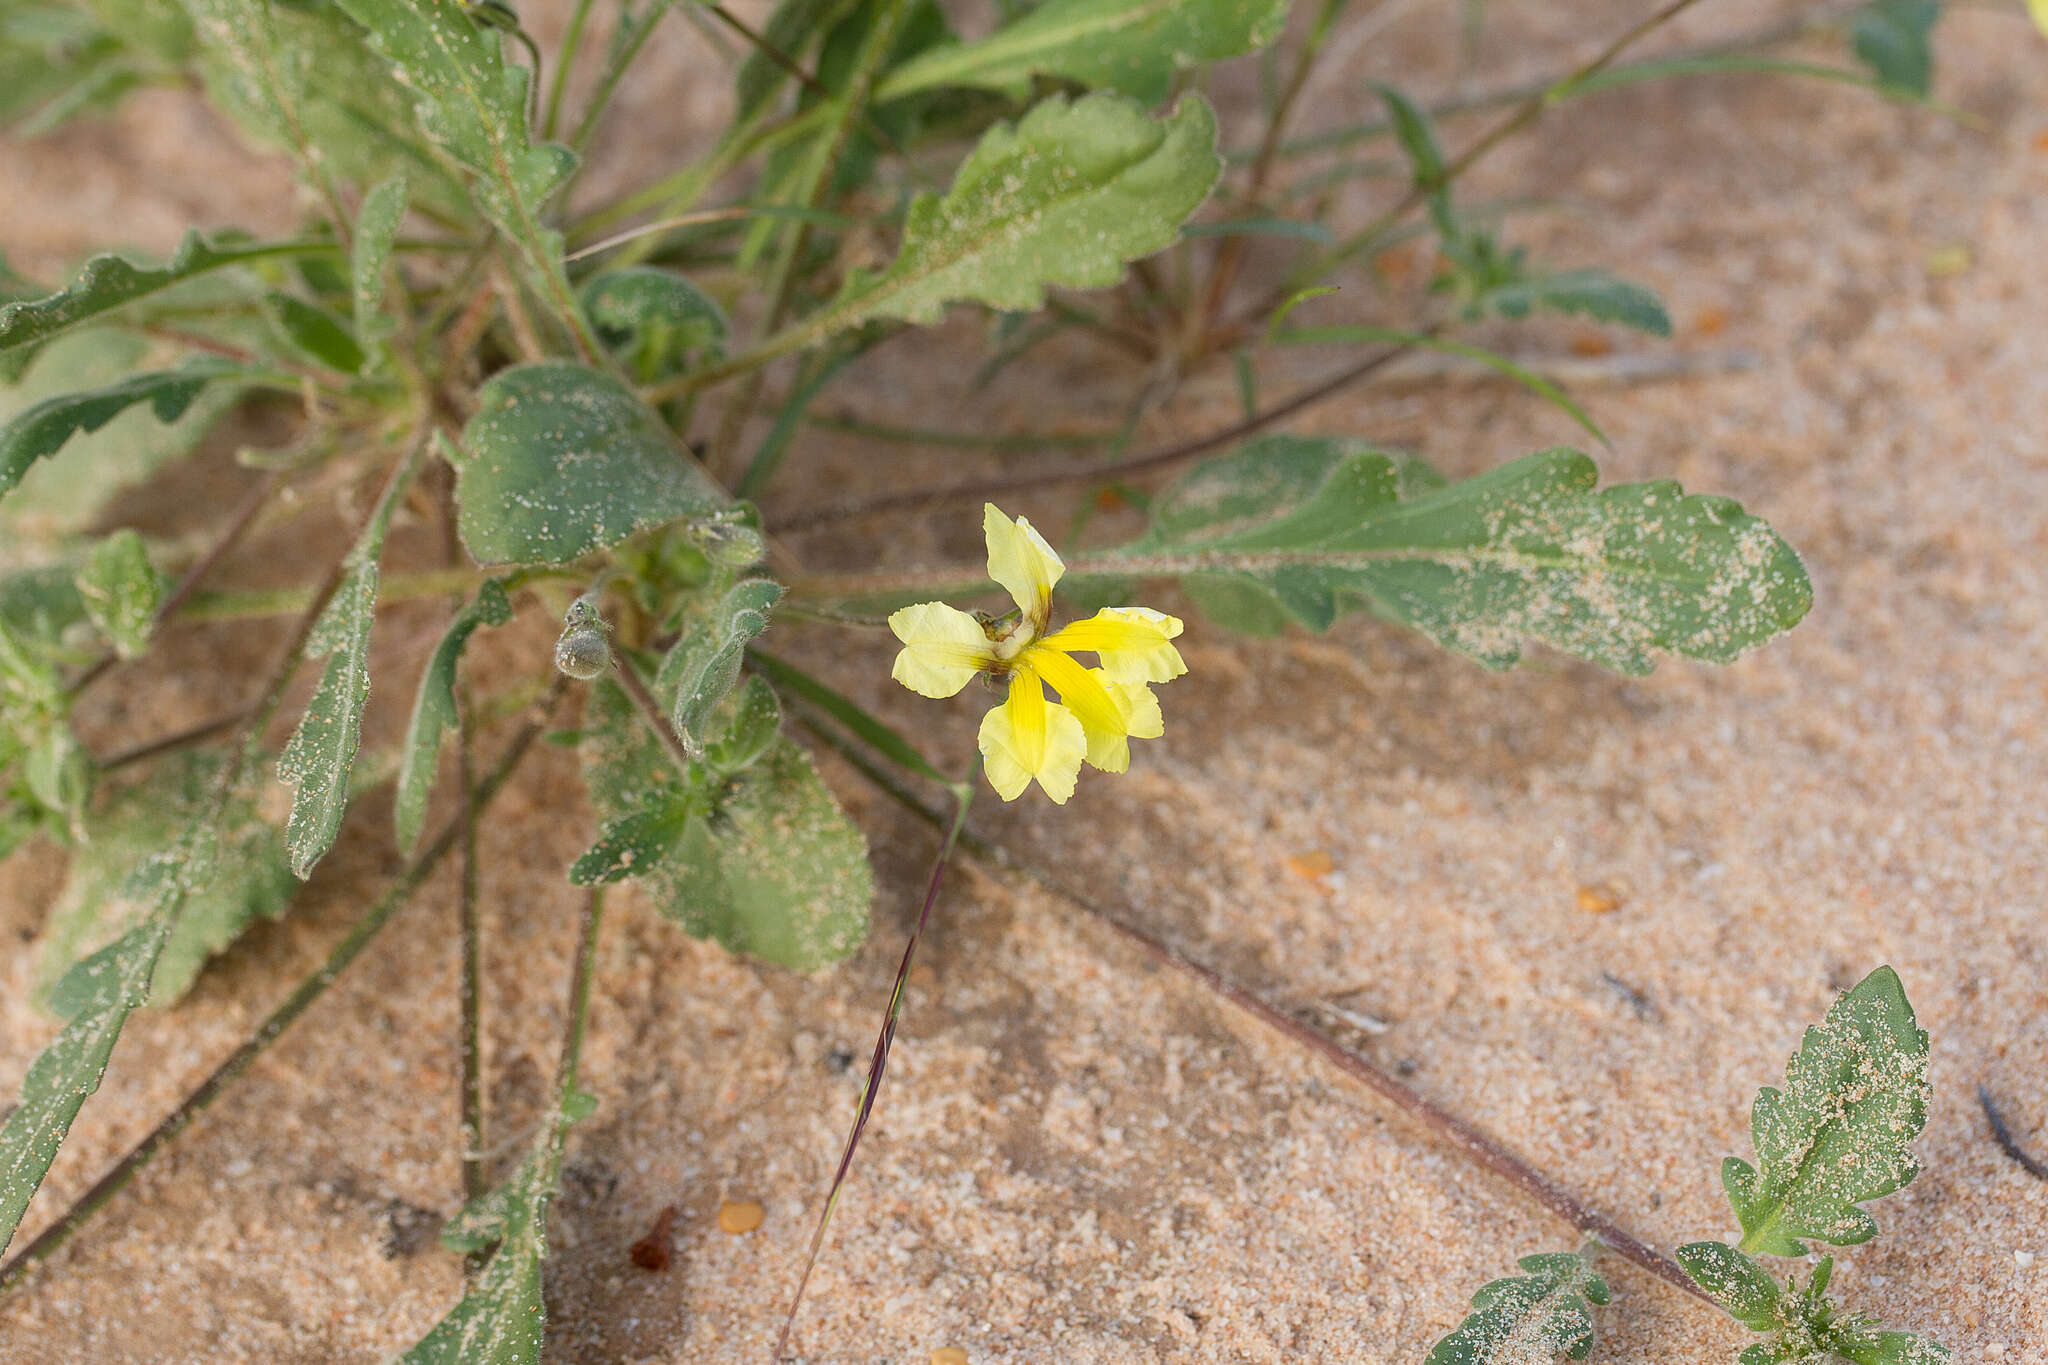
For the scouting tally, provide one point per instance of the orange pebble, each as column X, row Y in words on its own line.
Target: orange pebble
column 1590, row 344
column 744, row 1216
column 1598, row 900
column 2041, row 142
column 949, row 1355
column 1311, row 866
column 1710, row 321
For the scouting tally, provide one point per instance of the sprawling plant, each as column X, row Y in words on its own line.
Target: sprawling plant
column 601, row 398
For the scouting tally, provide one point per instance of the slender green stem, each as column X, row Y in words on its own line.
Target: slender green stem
column 565, row 63
column 578, row 1025
column 281, row 1018
column 961, row 440
column 614, row 73
column 470, row 992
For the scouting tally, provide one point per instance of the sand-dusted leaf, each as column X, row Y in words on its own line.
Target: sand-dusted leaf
column 1868, row 1345
column 705, row 664
column 250, row 878
column 656, row 322
column 433, row 709
column 1589, row 293
column 42, row 430
column 1893, row 39
column 1841, row 1129
column 254, row 72
column 745, row 726
column 1066, row 196
column 109, row 282
column 562, row 459
column 322, row 751
column 120, row 590
column 1130, row 45
column 376, row 229
column 1299, row 528
column 1529, row 1318
column 473, row 104
column 633, row 844
column 766, row 863
column 1742, row 1287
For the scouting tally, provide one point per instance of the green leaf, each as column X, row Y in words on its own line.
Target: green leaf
column 1589, row 293
column 474, row 106
column 60, row 499
column 121, row 592
column 42, row 430
column 254, row 72
column 433, row 710
column 317, row 334
column 745, row 726
column 105, row 987
column 250, row 878
column 1303, row 527
column 1130, row 45
column 560, row 460
column 376, row 228
column 655, row 321
column 1736, row 1282
column 1866, row 1345
column 322, row 751
column 774, row 870
column 1891, row 37
column 1065, row 197
column 1839, row 1133
column 1417, row 136
column 633, row 844
column 789, row 30
column 109, row 282
column 1529, row 1318
column 705, row 664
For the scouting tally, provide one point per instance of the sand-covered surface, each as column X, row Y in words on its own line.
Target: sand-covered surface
column 1080, row 1159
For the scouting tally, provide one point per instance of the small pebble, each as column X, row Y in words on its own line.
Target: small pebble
column 740, row 1217
column 1312, row 866
column 1598, row 900
column 949, row 1355
column 2023, row 1259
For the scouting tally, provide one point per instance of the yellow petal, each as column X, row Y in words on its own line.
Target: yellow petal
column 1020, row 560
column 943, row 648
column 1103, row 720
column 1132, row 642
column 1029, row 737
column 1142, row 719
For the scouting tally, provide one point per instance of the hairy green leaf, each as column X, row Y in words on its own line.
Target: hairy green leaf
column 121, row 591
column 1529, row 1318
column 560, row 460
column 634, row 844
column 1840, row 1131
column 250, row 878
column 1065, row 197
column 1589, row 293
column 1892, row 38
column 1305, row 526
column 1732, row 1279
column 474, row 106
column 108, row 282
column 705, row 664
column 433, row 710
column 1130, row 45
column 750, row 720
column 657, row 322
column 376, row 228
column 42, row 430
column 322, row 751
column 316, row 333
column 764, row 862
column 1417, row 136
column 256, row 73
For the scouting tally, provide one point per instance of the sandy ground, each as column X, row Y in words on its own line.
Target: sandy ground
column 1077, row 1158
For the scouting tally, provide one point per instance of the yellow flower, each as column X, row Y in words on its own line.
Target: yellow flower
column 1032, row 736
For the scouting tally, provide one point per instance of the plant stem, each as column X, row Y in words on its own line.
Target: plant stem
column 470, row 991
column 280, row 1019
column 1093, row 473
column 148, row 749
column 878, row 1062
column 650, row 711
column 565, row 60
column 1478, row 1145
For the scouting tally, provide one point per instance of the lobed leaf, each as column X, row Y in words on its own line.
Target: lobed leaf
column 1064, row 197
column 1892, row 38
column 42, row 430
column 1743, row 1288
column 657, row 322
column 1134, row 46
column 120, row 591
column 560, row 460
column 1529, row 1318
column 108, row 282
column 1840, row 1131
column 433, row 710
column 1296, row 529
column 764, row 861
column 1589, row 293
